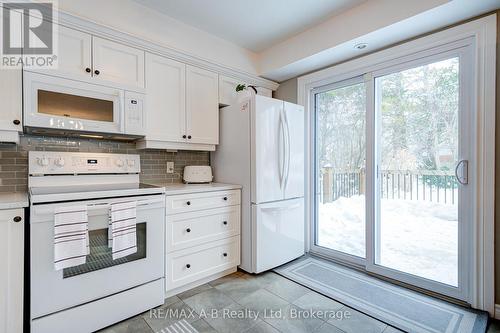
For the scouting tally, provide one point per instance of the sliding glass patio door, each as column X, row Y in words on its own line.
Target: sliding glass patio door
column 393, row 154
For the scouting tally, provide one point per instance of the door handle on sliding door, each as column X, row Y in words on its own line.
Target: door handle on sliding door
column 464, row 177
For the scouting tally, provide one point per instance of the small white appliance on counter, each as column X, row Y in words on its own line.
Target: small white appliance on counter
column 262, row 148
column 61, row 106
column 104, row 289
column 197, row 174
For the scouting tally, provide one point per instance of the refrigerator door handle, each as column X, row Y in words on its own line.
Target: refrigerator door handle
column 287, row 151
column 281, row 149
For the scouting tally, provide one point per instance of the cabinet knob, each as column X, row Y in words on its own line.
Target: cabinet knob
column 17, row 219
column 188, row 229
column 225, row 198
column 188, row 203
column 224, row 222
column 88, row 70
column 189, row 136
column 184, row 136
column 224, row 254
column 188, row 266
column 16, row 121
column 96, row 72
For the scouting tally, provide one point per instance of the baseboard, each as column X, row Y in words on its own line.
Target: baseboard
column 497, row 311
column 197, row 283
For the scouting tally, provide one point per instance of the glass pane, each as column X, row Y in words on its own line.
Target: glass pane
column 100, row 256
column 340, row 183
column 71, row 106
column 418, row 226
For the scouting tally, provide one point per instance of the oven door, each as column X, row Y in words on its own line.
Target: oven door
column 100, row 276
column 61, row 104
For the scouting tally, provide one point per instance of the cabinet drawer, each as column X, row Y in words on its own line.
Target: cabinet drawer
column 189, row 265
column 198, row 201
column 191, row 229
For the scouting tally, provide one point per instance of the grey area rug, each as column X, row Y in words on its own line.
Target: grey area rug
column 402, row 308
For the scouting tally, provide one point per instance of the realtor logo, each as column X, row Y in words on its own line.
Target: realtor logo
column 29, row 32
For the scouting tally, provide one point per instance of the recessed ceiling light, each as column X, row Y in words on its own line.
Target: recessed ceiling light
column 360, row 46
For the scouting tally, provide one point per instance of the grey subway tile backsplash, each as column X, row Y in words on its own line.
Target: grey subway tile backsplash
column 14, row 158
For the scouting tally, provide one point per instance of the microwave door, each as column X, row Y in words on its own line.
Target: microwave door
column 61, row 104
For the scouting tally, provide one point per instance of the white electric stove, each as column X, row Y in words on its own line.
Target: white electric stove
column 88, row 297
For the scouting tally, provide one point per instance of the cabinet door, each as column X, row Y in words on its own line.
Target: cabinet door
column 118, row 63
column 11, row 94
column 202, row 106
column 11, row 274
column 165, row 99
column 75, row 52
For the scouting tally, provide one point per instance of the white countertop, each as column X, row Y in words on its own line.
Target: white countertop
column 13, row 200
column 174, row 189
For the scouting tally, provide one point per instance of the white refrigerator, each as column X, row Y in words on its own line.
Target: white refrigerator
column 261, row 147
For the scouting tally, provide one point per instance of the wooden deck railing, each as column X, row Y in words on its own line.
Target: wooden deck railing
column 433, row 186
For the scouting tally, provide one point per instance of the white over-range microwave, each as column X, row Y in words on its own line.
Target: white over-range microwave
column 61, row 106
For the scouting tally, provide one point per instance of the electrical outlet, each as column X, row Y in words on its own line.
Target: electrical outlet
column 170, row 167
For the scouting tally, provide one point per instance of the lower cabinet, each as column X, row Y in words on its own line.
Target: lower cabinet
column 12, row 272
column 202, row 240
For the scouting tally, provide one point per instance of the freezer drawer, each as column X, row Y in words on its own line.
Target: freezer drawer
column 278, row 233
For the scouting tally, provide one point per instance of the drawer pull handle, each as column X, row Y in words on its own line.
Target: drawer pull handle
column 188, row 266
column 188, row 203
column 225, row 222
column 17, row 219
column 224, row 254
column 225, row 198
column 188, row 229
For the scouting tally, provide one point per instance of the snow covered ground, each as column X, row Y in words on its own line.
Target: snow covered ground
column 417, row 237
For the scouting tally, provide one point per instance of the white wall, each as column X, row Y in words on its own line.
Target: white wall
column 137, row 20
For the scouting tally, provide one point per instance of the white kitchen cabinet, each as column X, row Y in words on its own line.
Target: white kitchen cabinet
column 202, row 106
column 166, row 99
column 117, row 62
column 12, row 272
column 82, row 56
column 11, row 114
column 182, row 106
column 202, row 238
column 75, row 53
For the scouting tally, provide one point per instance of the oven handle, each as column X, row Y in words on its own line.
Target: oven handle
column 40, row 210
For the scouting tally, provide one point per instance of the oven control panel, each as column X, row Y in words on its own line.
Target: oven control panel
column 62, row 163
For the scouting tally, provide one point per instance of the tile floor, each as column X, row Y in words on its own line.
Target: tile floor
column 268, row 301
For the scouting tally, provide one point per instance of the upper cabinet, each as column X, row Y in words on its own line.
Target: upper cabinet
column 202, row 106
column 166, row 99
column 182, row 106
column 75, row 52
column 12, row 109
column 117, row 62
column 82, row 56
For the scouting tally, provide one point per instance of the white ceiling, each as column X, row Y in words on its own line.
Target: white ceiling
column 253, row 24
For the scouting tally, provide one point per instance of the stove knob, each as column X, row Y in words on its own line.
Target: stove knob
column 59, row 162
column 119, row 163
column 44, row 161
column 130, row 163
